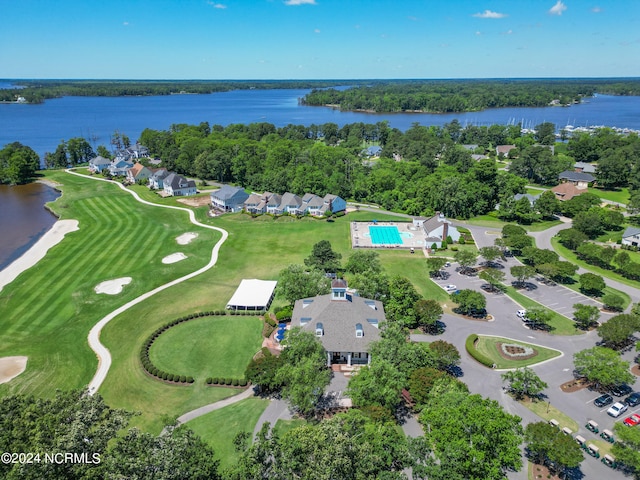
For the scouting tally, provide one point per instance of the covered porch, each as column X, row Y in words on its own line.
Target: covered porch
column 348, row 358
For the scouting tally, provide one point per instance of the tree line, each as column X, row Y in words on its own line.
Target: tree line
column 448, row 96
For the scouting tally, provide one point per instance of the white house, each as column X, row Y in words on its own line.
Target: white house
column 156, row 180
column 176, row 185
column 138, row 172
column 631, row 236
column 98, row 164
column 436, row 229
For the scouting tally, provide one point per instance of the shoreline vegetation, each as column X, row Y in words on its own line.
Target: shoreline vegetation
column 372, row 96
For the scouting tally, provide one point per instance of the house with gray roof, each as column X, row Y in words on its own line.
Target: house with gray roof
column 631, row 236
column 532, row 198
column 98, row 164
column 176, row 185
column 290, row 203
column 156, row 180
column 229, row 199
column 436, row 229
column 345, row 324
column 273, row 203
column 312, row 203
column 333, row 203
column 580, row 179
column 584, row 167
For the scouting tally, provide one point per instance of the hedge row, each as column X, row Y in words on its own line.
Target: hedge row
column 242, row 382
column 148, row 365
column 470, row 345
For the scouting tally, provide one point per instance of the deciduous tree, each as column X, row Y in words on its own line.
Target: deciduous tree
column 295, row 283
column 602, row 366
column 523, row 382
column 323, row 257
column 592, row 284
column 585, row 315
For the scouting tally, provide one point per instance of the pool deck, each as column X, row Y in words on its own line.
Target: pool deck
column 360, row 240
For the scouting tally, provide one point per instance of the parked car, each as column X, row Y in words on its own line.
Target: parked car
column 621, row 390
column 447, row 264
column 633, row 399
column 617, row 409
column 450, row 288
column 521, row 313
column 603, row 400
column 632, row 421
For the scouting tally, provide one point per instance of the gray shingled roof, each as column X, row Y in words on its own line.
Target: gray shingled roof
column 227, row 192
column 630, row 232
column 339, row 319
column 576, row 176
column 289, row 199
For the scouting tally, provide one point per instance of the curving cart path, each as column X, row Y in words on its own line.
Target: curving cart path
column 102, row 352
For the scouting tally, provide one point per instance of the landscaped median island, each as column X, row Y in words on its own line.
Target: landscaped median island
column 503, row 353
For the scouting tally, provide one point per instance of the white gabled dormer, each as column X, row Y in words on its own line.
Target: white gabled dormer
column 359, row 330
column 339, row 290
column 319, row 329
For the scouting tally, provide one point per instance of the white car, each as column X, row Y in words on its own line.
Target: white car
column 450, row 288
column 521, row 313
column 617, row 409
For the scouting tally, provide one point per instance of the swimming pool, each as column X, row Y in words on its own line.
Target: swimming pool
column 385, row 235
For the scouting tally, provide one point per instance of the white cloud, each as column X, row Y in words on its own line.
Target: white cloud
column 596, row 9
column 217, row 5
column 300, row 2
column 478, row 33
column 317, row 30
column 126, row 24
column 558, row 8
column 489, row 14
column 508, row 32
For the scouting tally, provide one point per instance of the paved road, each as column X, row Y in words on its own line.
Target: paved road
column 198, row 412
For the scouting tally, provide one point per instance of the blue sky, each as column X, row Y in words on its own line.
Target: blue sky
column 319, row 39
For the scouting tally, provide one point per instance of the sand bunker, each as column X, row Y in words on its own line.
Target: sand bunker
column 112, row 287
column 186, row 238
column 174, row 257
column 11, row 367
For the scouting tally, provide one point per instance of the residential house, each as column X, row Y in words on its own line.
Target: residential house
column 119, row 166
column 138, row 173
column 137, row 151
column 273, row 203
column 470, row 146
column 532, row 198
column 436, row 229
column 98, row 164
column 333, row 203
column 156, row 180
column 312, row 204
column 584, row 167
column 566, row 191
column 290, row 203
column 580, row 179
column 229, row 199
column 477, row 157
column 631, row 236
column 504, row 149
column 345, row 324
column 255, row 204
column 373, row 151
column 176, row 185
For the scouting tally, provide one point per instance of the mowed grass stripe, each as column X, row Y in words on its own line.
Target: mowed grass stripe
column 76, row 261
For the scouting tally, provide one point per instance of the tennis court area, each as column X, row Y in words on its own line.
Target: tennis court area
column 385, row 235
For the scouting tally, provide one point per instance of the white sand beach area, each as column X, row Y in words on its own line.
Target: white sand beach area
column 37, row 251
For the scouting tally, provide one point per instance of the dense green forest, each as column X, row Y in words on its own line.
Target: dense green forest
column 37, row 91
column 422, row 170
column 446, row 96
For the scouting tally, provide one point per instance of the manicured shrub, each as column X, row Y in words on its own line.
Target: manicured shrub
column 470, row 347
column 190, row 380
column 209, row 380
column 227, row 381
column 165, row 375
column 183, row 378
column 234, row 382
column 243, row 382
column 215, row 381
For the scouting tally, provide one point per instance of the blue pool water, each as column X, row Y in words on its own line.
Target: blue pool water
column 385, row 235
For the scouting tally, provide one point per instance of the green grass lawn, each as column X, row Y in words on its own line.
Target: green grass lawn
column 573, row 258
column 224, row 347
column 48, row 311
column 546, row 411
column 560, row 325
column 619, row 196
column 487, row 345
column 283, row 426
column 220, row 427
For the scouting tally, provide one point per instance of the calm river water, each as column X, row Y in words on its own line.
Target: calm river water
column 42, row 127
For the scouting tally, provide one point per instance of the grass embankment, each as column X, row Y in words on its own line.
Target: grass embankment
column 220, row 427
column 488, row 347
column 491, row 221
column 618, row 196
column 283, row 426
column 560, row 325
column 546, row 411
column 573, row 258
column 48, row 311
column 208, row 347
